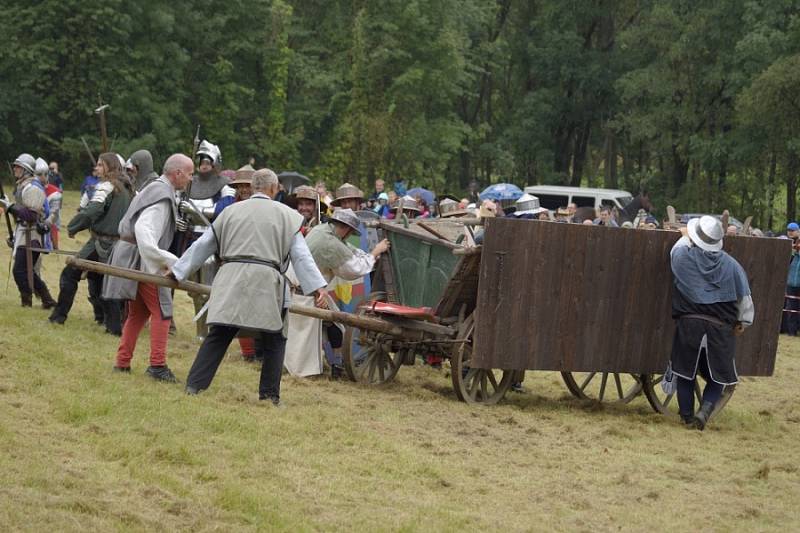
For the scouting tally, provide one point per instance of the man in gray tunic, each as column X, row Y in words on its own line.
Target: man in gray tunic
column 254, row 239
column 145, row 233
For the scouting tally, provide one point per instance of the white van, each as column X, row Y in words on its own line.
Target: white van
column 554, row 196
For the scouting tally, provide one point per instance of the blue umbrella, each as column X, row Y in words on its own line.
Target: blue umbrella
column 424, row 194
column 500, row 192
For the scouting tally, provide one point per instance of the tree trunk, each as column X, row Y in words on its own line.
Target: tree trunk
column 773, row 165
column 610, row 176
column 792, row 168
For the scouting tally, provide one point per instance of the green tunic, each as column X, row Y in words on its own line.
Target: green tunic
column 328, row 250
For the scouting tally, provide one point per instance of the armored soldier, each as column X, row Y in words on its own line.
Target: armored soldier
column 101, row 217
column 207, row 195
column 140, row 169
column 30, row 209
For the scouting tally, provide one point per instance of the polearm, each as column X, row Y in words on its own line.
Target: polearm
column 372, row 324
column 103, row 134
column 89, row 151
column 187, row 235
column 10, row 240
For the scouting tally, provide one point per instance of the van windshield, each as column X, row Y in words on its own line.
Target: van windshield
column 624, row 200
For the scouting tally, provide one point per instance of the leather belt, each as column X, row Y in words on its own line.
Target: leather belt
column 252, row 261
column 98, row 235
column 707, row 318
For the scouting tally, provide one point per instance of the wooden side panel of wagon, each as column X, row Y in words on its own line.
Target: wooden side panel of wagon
column 575, row 298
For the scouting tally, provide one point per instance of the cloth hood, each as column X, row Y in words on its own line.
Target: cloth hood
column 144, row 162
column 708, row 277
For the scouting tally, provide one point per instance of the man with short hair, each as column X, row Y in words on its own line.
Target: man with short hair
column 711, row 303
column 145, row 234
column 54, row 176
column 606, row 218
column 255, row 239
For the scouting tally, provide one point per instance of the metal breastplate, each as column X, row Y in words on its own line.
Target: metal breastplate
column 202, row 205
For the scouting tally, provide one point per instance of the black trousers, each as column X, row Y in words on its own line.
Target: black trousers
column 68, row 287
column 20, row 271
column 212, row 351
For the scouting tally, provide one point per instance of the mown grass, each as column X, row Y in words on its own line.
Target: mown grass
column 84, row 449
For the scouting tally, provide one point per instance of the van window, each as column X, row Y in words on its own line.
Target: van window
column 552, row 201
column 624, row 200
column 583, row 201
column 607, row 202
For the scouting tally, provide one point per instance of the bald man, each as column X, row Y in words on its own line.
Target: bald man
column 145, row 233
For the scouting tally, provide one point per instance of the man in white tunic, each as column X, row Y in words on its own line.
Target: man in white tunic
column 254, row 239
column 335, row 258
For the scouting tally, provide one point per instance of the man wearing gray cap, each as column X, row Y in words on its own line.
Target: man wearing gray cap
column 711, row 304
column 336, row 258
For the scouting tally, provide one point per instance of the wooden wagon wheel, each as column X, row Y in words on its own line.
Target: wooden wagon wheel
column 603, row 386
column 668, row 404
column 475, row 385
column 370, row 360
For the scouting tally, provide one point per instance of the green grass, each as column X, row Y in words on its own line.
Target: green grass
column 84, row 449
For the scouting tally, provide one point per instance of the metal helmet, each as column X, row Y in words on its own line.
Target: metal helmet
column 450, row 208
column 347, row 190
column 211, row 151
column 26, row 162
column 407, row 203
column 306, row 192
column 121, row 161
column 243, row 176
column 528, row 205
column 41, row 168
column 348, row 218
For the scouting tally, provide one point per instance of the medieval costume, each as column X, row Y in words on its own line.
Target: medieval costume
column 140, row 168
column 207, row 195
column 306, row 201
column 101, row 217
column 145, row 233
column 30, row 209
column 255, row 239
column 711, row 301
column 335, row 258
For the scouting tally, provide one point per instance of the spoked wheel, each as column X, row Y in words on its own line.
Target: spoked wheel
column 475, row 385
column 603, row 386
column 667, row 404
column 370, row 360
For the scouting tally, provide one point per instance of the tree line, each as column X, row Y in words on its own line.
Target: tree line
column 697, row 101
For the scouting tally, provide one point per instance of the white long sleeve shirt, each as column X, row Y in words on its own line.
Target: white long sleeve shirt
column 150, row 226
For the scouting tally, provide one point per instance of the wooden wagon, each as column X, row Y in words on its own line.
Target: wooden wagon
column 592, row 303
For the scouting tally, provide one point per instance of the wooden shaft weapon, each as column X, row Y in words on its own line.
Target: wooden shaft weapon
column 5, row 211
column 407, row 331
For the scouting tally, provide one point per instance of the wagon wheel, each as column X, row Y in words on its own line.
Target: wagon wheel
column 474, row 385
column 668, row 404
column 603, row 386
column 369, row 359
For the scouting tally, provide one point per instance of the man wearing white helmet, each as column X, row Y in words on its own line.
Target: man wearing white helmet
column 207, row 195
column 30, row 210
column 54, row 198
column 711, row 304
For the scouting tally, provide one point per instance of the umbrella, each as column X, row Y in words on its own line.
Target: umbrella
column 423, row 194
column 290, row 180
column 501, row 192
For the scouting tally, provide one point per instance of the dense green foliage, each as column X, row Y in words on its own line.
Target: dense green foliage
column 697, row 100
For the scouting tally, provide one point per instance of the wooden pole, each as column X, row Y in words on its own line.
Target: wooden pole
column 348, row 319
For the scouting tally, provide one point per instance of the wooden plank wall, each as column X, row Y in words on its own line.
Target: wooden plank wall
column 569, row 297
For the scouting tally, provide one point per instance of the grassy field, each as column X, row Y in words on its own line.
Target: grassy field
column 84, row 449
